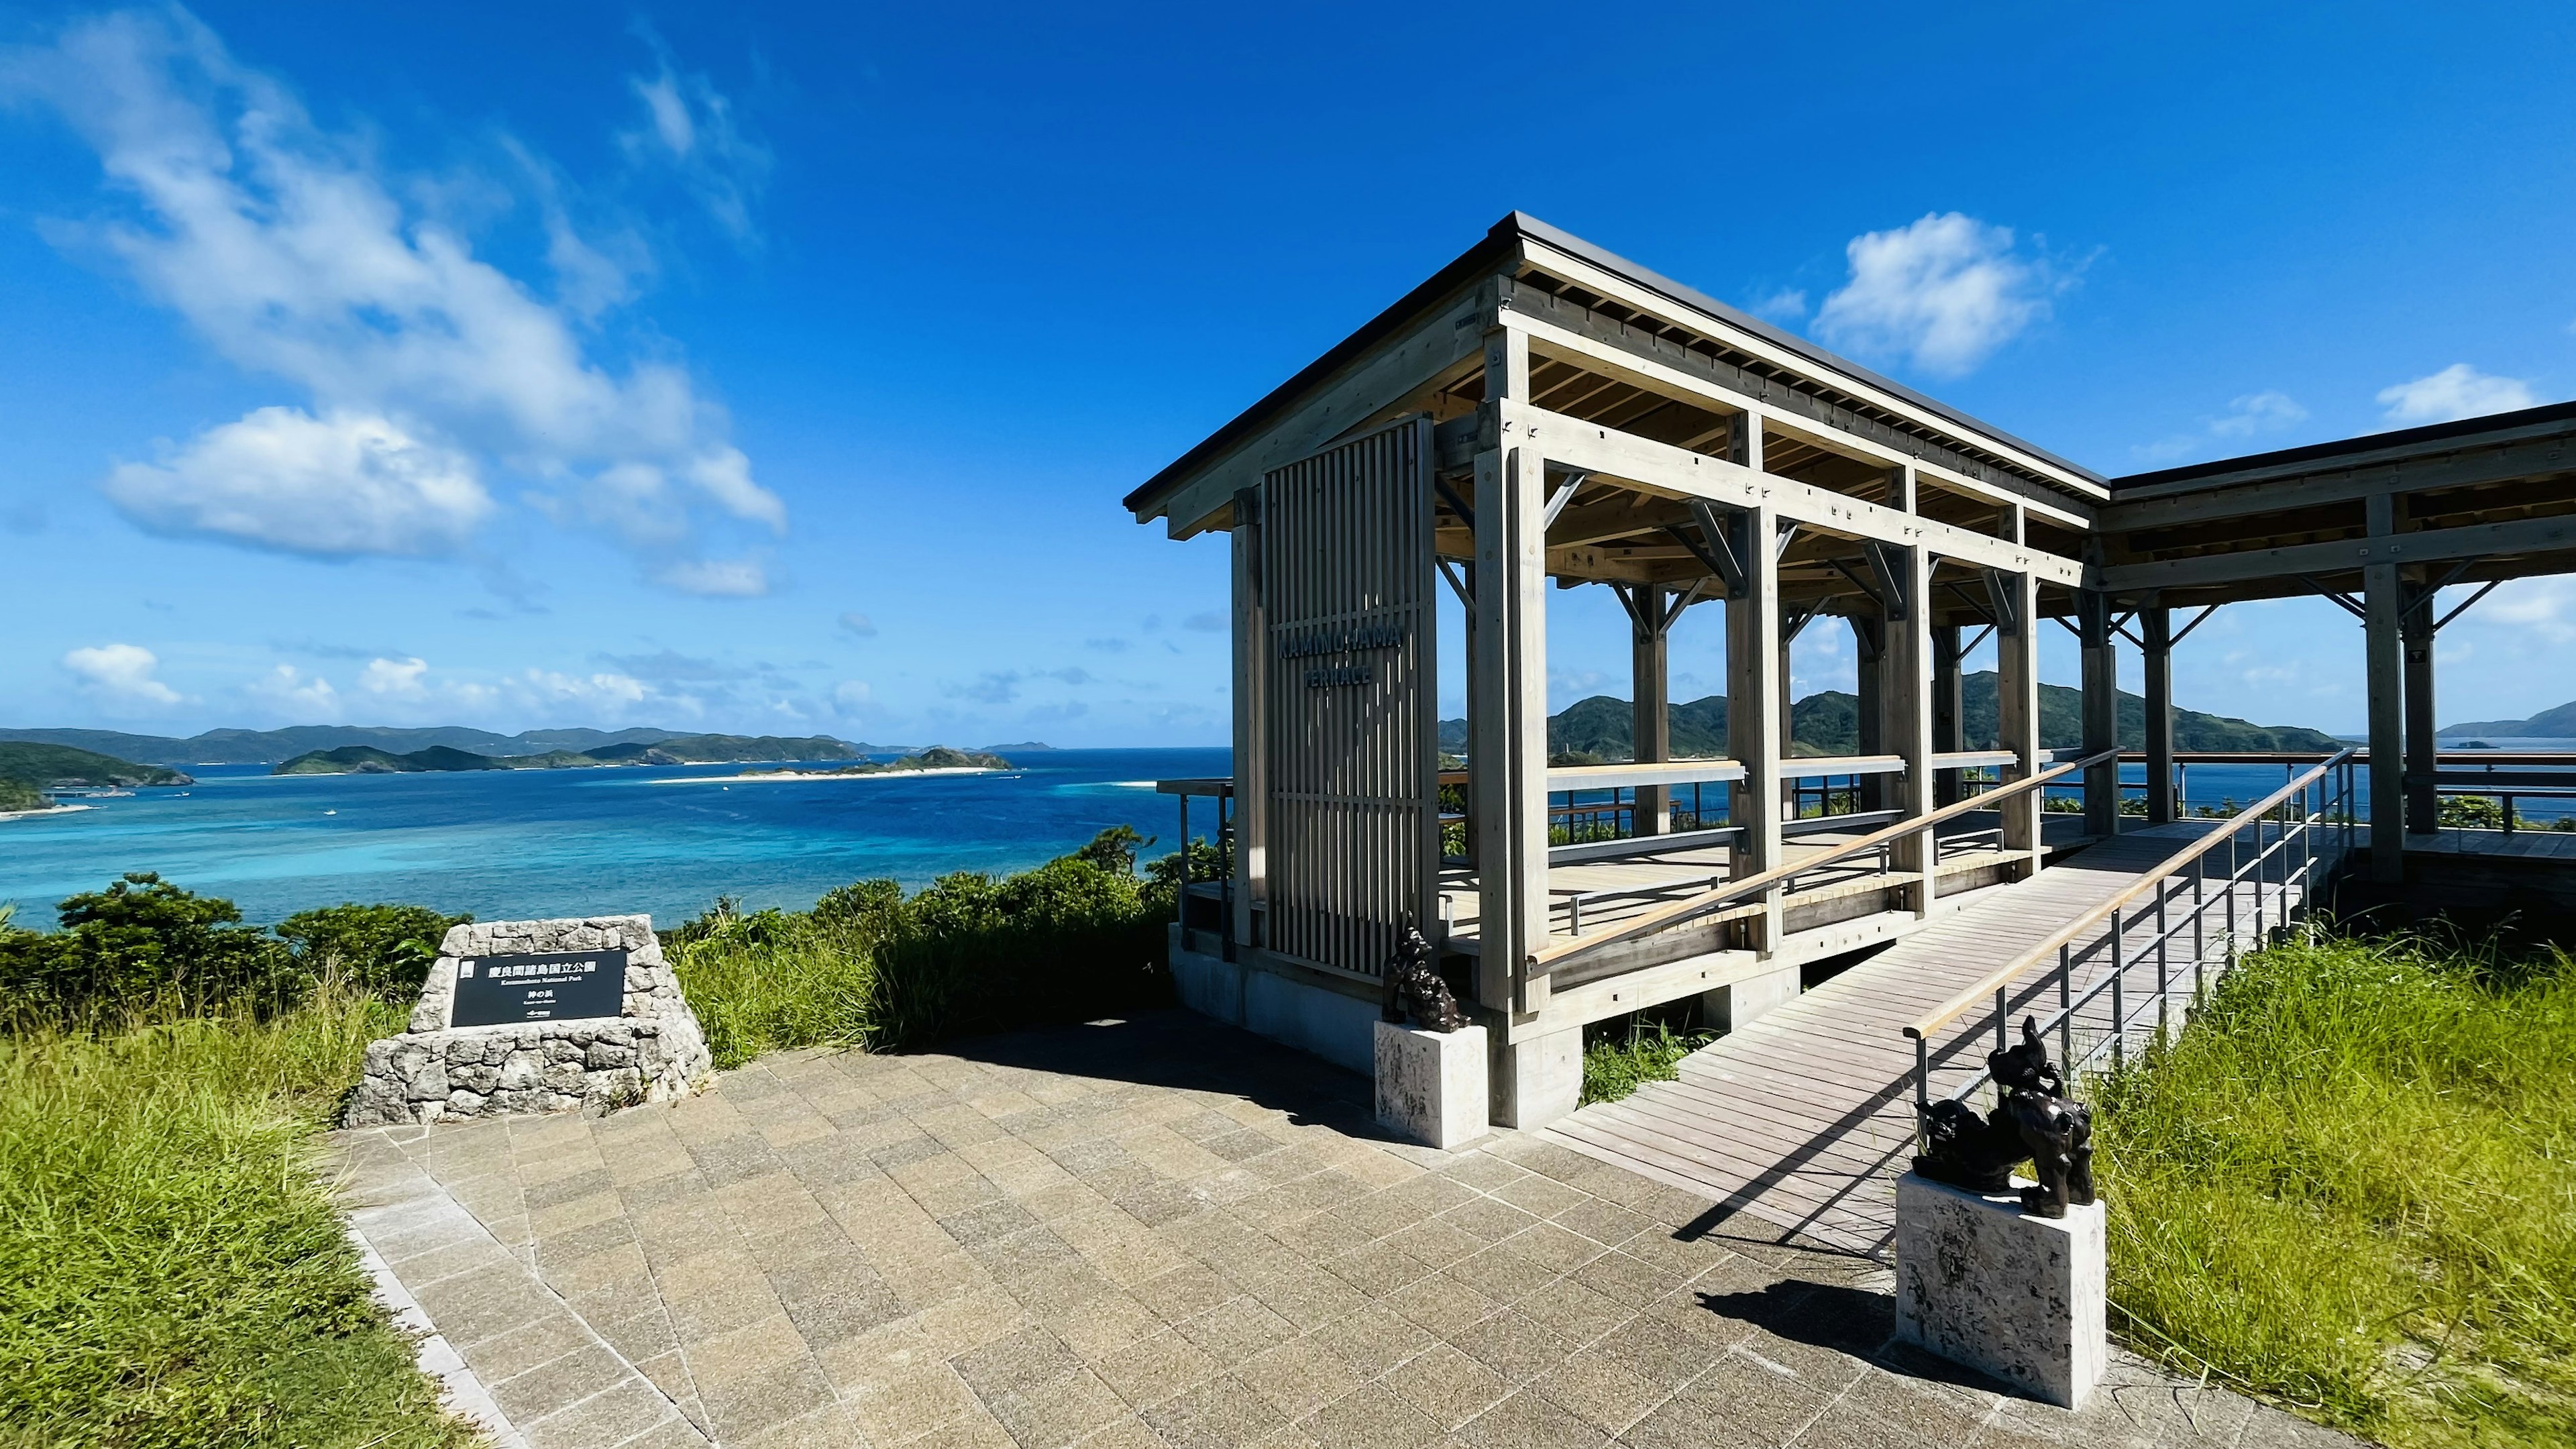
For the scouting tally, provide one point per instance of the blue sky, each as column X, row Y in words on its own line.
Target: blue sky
column 781, row 369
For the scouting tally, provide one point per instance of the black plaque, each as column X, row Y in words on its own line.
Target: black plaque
column 548, row 986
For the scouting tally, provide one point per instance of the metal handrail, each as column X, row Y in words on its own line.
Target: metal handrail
column 1942, row 1015
column 2260, row 868
column 1544, row 961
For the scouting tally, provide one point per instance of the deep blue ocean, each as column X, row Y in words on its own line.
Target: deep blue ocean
column 534, row 843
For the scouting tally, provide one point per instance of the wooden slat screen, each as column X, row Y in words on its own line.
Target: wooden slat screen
column 1352, row 734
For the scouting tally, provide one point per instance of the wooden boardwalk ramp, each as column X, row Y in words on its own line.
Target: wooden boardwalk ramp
column 1804, row 1117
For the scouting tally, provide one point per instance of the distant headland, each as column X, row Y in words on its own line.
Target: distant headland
column 40, row 766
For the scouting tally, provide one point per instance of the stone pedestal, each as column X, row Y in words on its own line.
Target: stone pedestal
column 650, row 1051
column 2022, row 1298
column 1432, row 1085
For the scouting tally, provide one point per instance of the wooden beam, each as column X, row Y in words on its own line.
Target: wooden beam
column 1781, row 359
column 2530, row 535
column 1687, row 377
column 2453, row 463
column 1678, row 472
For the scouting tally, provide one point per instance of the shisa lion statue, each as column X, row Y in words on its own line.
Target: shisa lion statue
column 2034, row 1122
column 1414, row 989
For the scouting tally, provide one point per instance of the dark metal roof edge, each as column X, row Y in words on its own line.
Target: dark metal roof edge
column 2366, row 443
column 1654, row 281
column 1499, row 237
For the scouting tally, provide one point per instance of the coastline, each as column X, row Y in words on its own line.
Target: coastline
column 41, row 814
column 828, row 775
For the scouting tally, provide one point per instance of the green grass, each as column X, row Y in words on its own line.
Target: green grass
column 1623, row 1058
column 172, row 1270
column 2351, row 1186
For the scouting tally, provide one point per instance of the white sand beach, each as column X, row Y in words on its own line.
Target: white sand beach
column 822, row 775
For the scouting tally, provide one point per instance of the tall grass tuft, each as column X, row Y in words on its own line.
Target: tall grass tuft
column 172, row 1270
column 1619, row 1060
column 2351, row 1185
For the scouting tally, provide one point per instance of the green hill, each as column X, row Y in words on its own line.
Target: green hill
column 1828, row 723
column 677, row 750
column 45, row 766
column 2549, row 724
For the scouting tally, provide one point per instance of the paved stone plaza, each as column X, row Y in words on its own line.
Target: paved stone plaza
column 1157, row 1232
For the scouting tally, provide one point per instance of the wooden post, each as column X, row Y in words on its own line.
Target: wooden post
column 2101, row 709
column 2423, row 801
column 2157, row 621
column 1869, row 644
column 2017, row 709
column 1753, row 690
column 1948, row 703
column 1650, row 673
column 1251, row 750
column 1908, row 692
column 2385, row 652
column 1509, row 714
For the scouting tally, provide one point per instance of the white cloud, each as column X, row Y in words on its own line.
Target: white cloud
column 342, row 484
column 294, row 253
column 2457, row 391
column 395, row 678
column 859, row 624
column 2545, row 606
column 717, row 578
column 852, row 696
column 603, row 692
column 294, row 695
column 1944, row 291
column 2258, row 412
column 119, row 677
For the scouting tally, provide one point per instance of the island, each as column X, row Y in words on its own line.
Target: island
column 679, row 750
column 29, row 773
column 937, row 760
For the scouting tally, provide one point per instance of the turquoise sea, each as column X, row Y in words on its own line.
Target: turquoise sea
column 521, row 844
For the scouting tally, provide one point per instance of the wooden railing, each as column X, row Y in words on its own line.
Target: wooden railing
column 1555, row 957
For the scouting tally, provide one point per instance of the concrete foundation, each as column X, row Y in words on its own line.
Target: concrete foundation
column 1432, row 1086
column 1339, row 1026
column 1539, row 1079
column 1729, row 1007
column 2022, row 1298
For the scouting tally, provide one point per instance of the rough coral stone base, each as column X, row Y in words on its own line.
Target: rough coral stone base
column 1432, row 1086
column 2023, row 1298
column 651, row 1051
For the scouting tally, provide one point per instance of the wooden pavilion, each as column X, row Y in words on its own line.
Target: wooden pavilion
column 1541, row 411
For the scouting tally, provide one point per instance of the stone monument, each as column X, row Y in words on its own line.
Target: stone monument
column 537, row 1016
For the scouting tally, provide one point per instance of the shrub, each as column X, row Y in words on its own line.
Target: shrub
column 147, row 949
column 142, row 946
column 382, row 950
column 1079, row 937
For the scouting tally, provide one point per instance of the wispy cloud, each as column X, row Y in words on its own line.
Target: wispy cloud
column 2457, row 391
column 860, row 625
column 696, row 130
column 298, row 255
column 1942, row 292
column 2251, row 415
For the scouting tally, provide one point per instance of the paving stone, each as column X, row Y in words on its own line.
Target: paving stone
column 1157, row 1233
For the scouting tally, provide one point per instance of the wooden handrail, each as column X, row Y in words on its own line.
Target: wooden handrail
column 1541, row 962
column 1983, row 991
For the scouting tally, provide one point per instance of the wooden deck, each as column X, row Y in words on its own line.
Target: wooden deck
column 1804, row 1117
